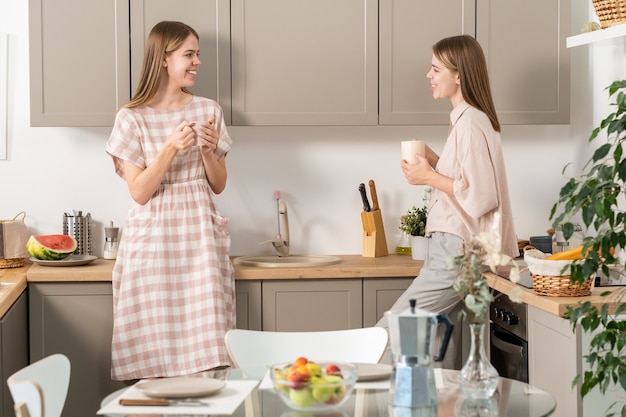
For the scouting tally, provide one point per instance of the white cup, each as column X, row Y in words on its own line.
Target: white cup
column 410, row 148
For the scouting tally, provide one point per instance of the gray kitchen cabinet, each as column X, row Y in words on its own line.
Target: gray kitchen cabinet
column 312, row 304
column 82, row 54
column 556, row 355
column 248, row 305
column 14, row 348
column 79, row 66
column 529, row 64
column 75, row 319
column 304, row 63
column 379, row 295
column 211, row 19
column 301, row 63
column 524, row 44
column 408, row 29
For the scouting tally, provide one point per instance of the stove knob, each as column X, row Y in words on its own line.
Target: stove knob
column 499, row 313
column 512, row 319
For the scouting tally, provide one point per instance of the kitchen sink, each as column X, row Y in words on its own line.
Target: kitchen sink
column 291, row 261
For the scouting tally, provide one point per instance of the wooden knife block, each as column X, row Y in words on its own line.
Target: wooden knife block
column 374, row 240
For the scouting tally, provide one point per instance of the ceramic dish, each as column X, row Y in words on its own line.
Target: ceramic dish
column 180, row 387
column 72, row 260
column 373, row 371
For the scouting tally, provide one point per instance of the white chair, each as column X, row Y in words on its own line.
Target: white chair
column 40, row 389
column 253, row 348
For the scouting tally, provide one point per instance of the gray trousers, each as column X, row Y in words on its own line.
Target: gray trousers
column 432, row 290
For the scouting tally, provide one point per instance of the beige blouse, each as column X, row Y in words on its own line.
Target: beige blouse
column 472, row 157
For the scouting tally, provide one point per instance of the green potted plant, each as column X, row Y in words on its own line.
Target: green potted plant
column 595, row 196
column 413, row 224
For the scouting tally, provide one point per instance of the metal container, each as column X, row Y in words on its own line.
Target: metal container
column 81, row 227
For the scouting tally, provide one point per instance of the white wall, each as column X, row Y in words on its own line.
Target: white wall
column 49, row 171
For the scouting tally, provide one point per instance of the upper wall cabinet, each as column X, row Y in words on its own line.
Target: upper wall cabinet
column 408, row 29
column 528, row 62
column 79, row 69
column 308, row 62
column 82, row 54
column 312, row 62
column 211, row 19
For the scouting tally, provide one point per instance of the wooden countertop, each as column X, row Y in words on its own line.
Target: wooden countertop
column 351, row 266
column 557, row 305
column 98, row 270
column 12, row 285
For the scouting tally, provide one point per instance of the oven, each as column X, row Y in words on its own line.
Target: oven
column 508, row 339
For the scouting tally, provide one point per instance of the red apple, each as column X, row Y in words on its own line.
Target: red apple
column 333, row 369
column 301, row 360
column 297, row 377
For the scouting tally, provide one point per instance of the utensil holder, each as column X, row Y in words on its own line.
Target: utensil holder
column 81, row 227
column 374, row 240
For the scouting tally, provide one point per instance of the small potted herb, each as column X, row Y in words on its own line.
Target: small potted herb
column 413, row 223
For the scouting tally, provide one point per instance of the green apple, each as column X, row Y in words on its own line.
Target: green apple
column 320, row 389
column 301, row 397
column 338, row 390
column 314, row 369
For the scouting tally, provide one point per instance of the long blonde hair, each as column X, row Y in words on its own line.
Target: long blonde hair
column 165, row 37
column 464, row 55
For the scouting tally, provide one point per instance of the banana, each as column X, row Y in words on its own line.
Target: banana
column 571, row 254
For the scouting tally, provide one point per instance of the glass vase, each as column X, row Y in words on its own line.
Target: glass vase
column 478, row 378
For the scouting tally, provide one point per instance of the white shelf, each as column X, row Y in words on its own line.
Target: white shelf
column 597, row 36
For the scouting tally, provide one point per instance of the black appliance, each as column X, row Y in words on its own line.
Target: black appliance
column 509, row 341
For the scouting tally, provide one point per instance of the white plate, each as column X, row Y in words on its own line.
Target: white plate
column 180, row 387
column 373, row 371
column 72, row 260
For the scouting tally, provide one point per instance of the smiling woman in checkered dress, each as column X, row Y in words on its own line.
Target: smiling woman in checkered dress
column 173, row 283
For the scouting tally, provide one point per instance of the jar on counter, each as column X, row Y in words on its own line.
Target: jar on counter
column 559, row 244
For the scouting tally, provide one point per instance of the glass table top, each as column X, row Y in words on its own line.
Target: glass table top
column 371, row 399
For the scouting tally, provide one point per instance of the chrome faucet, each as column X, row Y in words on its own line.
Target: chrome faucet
column 281, row 243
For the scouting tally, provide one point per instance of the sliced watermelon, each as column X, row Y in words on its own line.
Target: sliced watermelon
column 51, row 247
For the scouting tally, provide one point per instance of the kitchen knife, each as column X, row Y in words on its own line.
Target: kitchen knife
column 374, row 195
column 366, row 203
column 163, row 402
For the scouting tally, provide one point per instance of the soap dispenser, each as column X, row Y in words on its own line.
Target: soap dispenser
column 110, row 242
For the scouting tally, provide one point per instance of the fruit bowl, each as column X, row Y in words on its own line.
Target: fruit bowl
column 312, row 386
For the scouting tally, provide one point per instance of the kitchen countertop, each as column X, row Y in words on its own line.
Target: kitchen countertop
column 351, row 266
column 12, row 285
column 555, row 305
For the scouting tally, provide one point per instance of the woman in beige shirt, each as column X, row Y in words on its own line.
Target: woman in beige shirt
column 468, row 181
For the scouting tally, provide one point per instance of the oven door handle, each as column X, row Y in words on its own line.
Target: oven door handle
column 505, row 346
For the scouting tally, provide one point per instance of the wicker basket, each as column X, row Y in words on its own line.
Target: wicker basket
column 610, row 12
column 11, row 263
column 560, row 286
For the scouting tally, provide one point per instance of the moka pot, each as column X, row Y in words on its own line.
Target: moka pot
column 412, row 335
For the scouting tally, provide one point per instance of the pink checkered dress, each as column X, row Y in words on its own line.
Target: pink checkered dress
column 173, row 282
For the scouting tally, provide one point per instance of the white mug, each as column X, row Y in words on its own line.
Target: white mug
column 410, row 148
